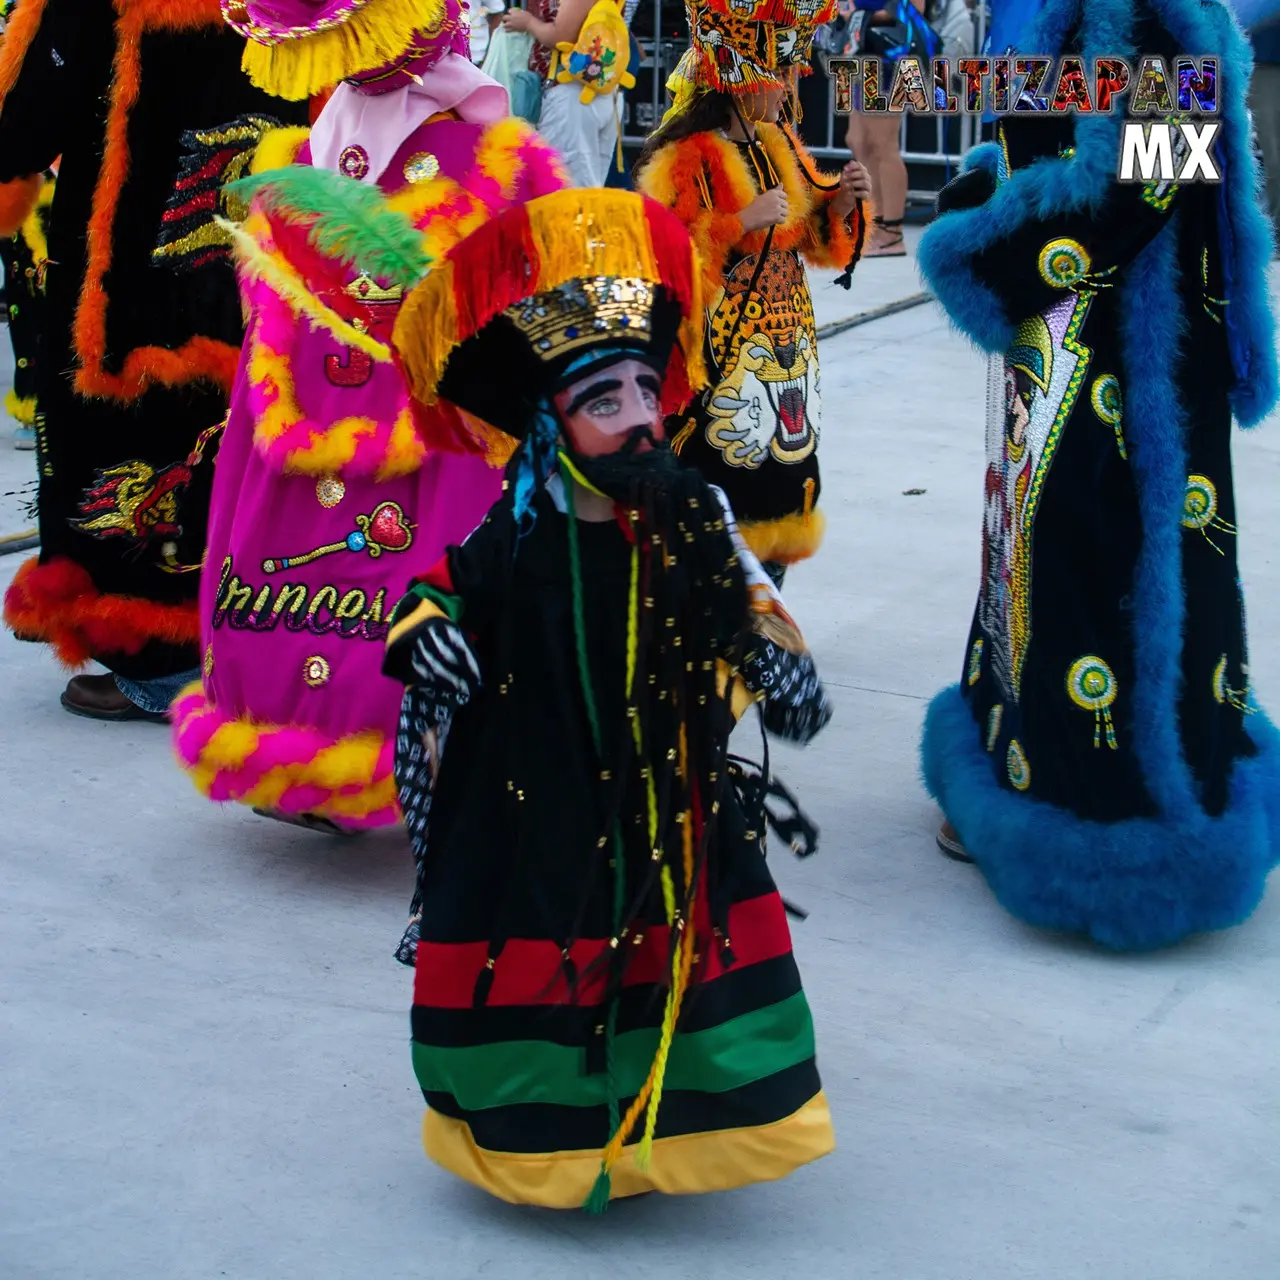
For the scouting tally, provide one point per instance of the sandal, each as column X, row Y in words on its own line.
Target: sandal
column 308, row 821
column 890, row 243
column 950, row 843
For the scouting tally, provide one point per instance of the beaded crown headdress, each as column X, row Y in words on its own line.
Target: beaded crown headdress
column 538, row 286
column 742, row 46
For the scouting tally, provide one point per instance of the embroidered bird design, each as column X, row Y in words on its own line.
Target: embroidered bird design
column 133, row 500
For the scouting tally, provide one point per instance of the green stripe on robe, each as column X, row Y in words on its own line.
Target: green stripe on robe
column 512, row 1072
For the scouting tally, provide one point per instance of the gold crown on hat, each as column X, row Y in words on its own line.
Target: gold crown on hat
column 584, row 312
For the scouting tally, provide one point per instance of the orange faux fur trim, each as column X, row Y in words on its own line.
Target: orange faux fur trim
column 173, row 15
column 201, row 357
column 793, row 538
column 18, row 36
column 705, row 181
column 17, row 199
column 56, row 602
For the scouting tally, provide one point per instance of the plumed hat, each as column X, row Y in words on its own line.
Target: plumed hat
column 297, row 48
column 500, row 318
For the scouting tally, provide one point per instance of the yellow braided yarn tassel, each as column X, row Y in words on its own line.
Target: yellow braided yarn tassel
column 681, row 968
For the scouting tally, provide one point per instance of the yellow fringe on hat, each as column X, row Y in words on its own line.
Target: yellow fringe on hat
column 572, row 234
column 376, row 33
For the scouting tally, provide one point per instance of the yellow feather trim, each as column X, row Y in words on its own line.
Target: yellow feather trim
column 498, row 155
column 20, row 410
column 259, row 262
column 231, row 745
column 278, row 148
column 786, row 541
column 375, row 34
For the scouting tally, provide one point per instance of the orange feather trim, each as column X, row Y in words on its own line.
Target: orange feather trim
column 57, row 602
column 793, row 538
column 18, row 36
column 705, row 181
column 201, row 357
column 172, row 15
column 17, row 201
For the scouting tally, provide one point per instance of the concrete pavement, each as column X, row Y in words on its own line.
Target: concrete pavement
column 204, row 1059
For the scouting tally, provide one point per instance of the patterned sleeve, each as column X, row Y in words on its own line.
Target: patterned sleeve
column 775, row 668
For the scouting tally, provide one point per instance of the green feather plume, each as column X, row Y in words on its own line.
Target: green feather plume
column 344, row 219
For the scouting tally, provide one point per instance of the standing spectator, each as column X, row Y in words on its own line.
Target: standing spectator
column 584, row 133
column 873, row 139
column 486, row 15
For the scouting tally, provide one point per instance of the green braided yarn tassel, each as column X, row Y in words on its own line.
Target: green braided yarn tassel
column 598, row 1201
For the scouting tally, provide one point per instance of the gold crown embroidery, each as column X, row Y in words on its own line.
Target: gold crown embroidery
column 366, row 289
column 582, row 312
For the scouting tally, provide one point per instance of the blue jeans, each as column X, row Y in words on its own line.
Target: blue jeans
column 156, row 695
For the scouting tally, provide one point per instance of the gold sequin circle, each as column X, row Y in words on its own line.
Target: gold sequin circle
column 422, row 166
column 330, row 491
column 316, row 671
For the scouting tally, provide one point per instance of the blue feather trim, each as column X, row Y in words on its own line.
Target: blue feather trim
column 1055, row 185
column 1131, row 886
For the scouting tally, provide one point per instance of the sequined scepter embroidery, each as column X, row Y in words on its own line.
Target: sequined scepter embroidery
column 384, row 529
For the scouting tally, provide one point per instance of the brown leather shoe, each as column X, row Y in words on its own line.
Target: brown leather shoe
column 99, row 698
column 950, row 843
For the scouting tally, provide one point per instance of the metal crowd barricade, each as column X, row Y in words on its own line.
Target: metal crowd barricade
column 932, row 146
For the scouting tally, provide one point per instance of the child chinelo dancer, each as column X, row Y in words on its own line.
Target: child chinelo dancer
column 757, row 208
column 606, row 1001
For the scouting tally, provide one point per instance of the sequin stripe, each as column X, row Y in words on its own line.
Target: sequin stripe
column 531, row 971
column 292, row 768
column 295, row 443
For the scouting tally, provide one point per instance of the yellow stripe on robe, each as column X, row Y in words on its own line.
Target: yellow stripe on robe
column 687, row 1164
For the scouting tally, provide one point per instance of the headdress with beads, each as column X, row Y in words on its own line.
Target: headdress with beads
column 497, row 321
column 742, row 46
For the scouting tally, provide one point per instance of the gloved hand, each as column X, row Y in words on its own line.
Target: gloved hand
column 971, row 189
column 445, row 667
column 796, row 706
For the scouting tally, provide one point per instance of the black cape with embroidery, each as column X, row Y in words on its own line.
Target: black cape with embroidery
column 1103, row 722
column 128, row 388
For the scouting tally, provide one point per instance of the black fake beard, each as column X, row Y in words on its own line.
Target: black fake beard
column 706, row 581
column 631, row 475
